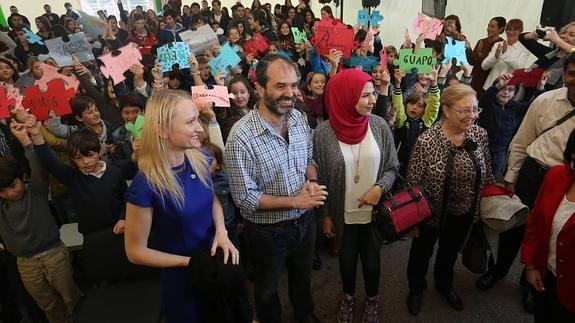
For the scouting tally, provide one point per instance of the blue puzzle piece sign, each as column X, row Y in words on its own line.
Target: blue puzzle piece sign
column 363, row 17
column 32, row 38
column 227, row 57
column 174, row 53
column 454, row 49
column 422, row 61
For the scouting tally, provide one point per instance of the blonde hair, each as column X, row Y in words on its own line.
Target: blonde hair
column 455, row 92
column 567, row 26
column 160, row 110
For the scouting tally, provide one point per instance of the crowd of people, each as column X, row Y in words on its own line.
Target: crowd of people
column 310, row 144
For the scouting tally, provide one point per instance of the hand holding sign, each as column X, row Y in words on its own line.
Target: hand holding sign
column 203, row 38
column 50, row 72
column 430, row 27
column 363, row 17
column 383, row 59
column 32, row 38
column 218, row 95
column 454, row 49
column 333, row 34
column 115, row 66
column 227, row 57
column 298, row 35
column 527, row 77
column 62, row 48
column 422, row 61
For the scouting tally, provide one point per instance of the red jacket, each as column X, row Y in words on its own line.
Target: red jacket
column 535, row 246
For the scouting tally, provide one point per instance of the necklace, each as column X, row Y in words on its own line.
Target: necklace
column 356, row 163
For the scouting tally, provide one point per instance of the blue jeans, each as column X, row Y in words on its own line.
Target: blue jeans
column 271, row 247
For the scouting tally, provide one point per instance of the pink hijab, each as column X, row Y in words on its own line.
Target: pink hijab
column 341, row 96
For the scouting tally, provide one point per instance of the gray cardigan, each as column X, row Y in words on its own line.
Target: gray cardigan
column 331, row 167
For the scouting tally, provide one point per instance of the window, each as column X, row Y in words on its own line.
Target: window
column 111, row 7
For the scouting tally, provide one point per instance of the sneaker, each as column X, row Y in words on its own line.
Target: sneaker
column 371, row 311
column 345, row 311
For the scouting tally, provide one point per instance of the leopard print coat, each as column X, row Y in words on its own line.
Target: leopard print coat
column 428, row 166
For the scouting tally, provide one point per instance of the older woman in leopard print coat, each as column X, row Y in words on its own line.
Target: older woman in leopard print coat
column 451, row 161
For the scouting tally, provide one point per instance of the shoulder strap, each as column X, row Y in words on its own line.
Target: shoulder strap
column 560, row 121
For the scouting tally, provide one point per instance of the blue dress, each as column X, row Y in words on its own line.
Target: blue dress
column 178, row 231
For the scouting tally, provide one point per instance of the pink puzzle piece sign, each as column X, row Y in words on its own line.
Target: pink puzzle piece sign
column 115, row 66
column 369, row 40
column 218, row 95
column 430, row 27
column 383, row 59
column 50, row 72
column 333, row 34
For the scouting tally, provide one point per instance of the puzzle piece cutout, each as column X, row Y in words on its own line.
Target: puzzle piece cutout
column 257, row 45
column 201, row 39
column 32, row 38
column 331, row 33
column 56, row 98
column 369, row 40
column 298, row 35
column 115, row 66
column 430, row 27
column 422, row 61
column 173, row 53
column 363, row 17
column 383, row 58
column 135, row 128
column 454, row 49
column 5, row 104
column 227, row 57
column 218, row 95
column 50, row 72
column 75, row 44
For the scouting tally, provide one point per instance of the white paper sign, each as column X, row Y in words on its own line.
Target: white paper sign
column 201, row 39
column 61, row 51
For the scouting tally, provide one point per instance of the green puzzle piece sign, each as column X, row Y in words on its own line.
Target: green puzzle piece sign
column 423, row 60
column 298, row 35
column 135, row 128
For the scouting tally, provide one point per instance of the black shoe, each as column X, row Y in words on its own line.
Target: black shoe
column 453, row 299
column 316, row 265
column 486, row 281
column 414, row 301
column 528, row 301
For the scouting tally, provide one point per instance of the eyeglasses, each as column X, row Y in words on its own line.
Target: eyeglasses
column 468, row 111
column 507, row 89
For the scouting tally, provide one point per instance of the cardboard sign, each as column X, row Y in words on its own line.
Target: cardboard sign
column 369, row 40
column 227, row 57
column 13, row 93
column 218, row 95
column 363, row 17
column 135, row 128
column 93, row 26
column 115, row 66
column 422, row 61
column 527, row 77
column 430, row 27
column 454, row 49
column 5, row 104
column 56, row 99
column 333, row 34
column 173, row 53
column 383, row 58
column 50, row 72
column 61, row 50
column 257, row 45
column 32, row 38
column 298, row 35
column 201, row 39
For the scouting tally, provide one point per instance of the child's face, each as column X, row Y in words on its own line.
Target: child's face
column 90, row 116
column 423, row 80
column 174, row 83
column 272, row 49
column 234, row 35
column 204, row 71
column 317, row 84
column 285, row 29
column 87, row 164
column 14, row 191
column 241, row 93
column 391, row 57
column 415, row 110
column 130, row 113
column 377, row 73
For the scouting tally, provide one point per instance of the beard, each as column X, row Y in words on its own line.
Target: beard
column 274, row 106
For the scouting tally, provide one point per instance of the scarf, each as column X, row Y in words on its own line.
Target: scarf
column 341, row 96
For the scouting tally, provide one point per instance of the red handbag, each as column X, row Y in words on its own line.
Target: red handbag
column 397, row 214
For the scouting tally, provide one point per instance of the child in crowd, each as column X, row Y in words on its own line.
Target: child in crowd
column 132, row 106
column 419, row 114
column 97, row 189
column 30, row 232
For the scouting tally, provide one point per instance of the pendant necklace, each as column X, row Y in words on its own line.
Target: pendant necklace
column 356, row 163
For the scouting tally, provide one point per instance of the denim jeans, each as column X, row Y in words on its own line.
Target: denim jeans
column 271, row 248
column 49, row 280
column 358, row 242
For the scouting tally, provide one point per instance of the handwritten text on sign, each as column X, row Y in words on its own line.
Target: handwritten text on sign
column 218, row 95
